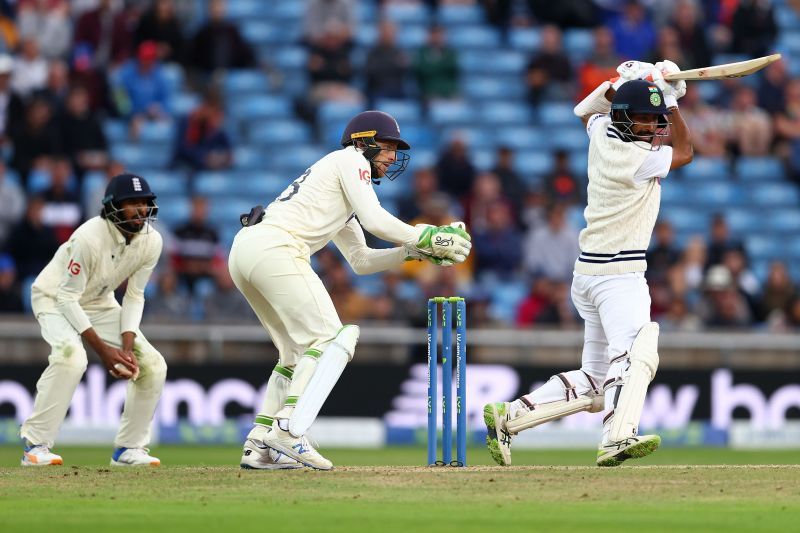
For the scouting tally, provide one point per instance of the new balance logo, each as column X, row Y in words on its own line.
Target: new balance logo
column 137, row 185
column 299, row 447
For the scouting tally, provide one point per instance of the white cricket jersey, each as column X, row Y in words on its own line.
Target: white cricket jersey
column 85, row 271
column 320, row 203
column 624, row 193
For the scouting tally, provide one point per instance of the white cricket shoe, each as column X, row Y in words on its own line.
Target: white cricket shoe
column 615, row 453
column 133, row 457
column 297, row 448
column 258, row 456
column 498, row 439
column 40, row 455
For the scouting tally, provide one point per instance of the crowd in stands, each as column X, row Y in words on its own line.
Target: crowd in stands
column 76, row 75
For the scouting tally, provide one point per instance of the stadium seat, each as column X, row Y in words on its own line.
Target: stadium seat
column 214, row 184
column 558, row 114
column 687, row 220
column 404, row 111
column 764, row 247
column 290, row 57
column 166, row 182
column 244, row 10
column 161, row 131
column 506, row 298
column 759, row 169
column 402, row 14
column 174, row 74
column 715, row 194
column 227, row 210
column 184, row 103
column 505, row 113
column 115, row 130
column 421, row 157
column 173, row 210
column 260, row 107
column 260, row 33
column 450, row 112
column 522, row 138
column 578, row 43
column 295, row 161
column 473, row 37
column 249, row 158
column 783, row 220
column 775, row 194
column 135, row 156
column 525, row 39
column 459, row 14
column 488, row 88
column 570, row 139
column 482, row 158
column 279, row 132
column 492, row 62
column 744, row 220
column 533, row 162
column 411, row 37
column 578, row 164
column 706, row 168
column 287, row 12
column 245, row 82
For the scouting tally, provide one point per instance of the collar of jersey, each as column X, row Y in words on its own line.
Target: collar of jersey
column 116, row 234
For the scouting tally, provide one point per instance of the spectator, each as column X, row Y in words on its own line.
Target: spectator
column 721, row 241
column 691, row 35
column 436, row 68
column 93, row 197
column 12, row 109
column 226, row 303
column 30, row 69
column 687, row 277
column 498, row 247
column 778, row 293
column 320, row 14
column 753, row 28
column 160, row 25
column 10, row 290
column 663, row 254
column 48, row 22
column 9, row 37
column 62, row 206
column 486, row 193
column 601, row 65
column 549, row 74
column 35, row 140
column 534, row 209
column 31, row 243
column 169, row 303
column 679, row 318
column 197, row 245
column 82, row 136
column 787, row 128
column 668, row 46
column 202, row 142
column 106, row 34
column 724, row 306
column 351, row 304
column 551, row 250
column 454, row 168
column 510, row 181
column 634, row 35
column 752, row 126
column 330, row 69
column 387, row 66
column 144, row 92
column 710, row 127
column 772, row 87
column 218, row 44
column 745, row 280
column 538, row 306
column 793, row 314
column 425, row 184
column 561, row 184
column 94, row 79
column 12, row 198
column 57, row 85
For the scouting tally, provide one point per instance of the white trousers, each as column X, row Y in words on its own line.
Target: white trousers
column 67, row 363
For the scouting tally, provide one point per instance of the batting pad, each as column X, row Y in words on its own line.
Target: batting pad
column 329, row 368
column 548, row 412
column 642, row 370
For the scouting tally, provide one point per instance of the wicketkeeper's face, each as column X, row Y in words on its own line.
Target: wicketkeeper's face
column 385, row 157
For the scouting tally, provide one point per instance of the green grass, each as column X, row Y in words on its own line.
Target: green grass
column 201, row 489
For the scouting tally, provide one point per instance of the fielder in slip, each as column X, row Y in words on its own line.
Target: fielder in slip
column 270, row 265
column 626, row 121
column 73, row 300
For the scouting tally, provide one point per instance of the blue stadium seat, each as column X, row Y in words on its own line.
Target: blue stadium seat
column 115, row 130
column 286, row 11
column 487, row 88
column 522, row 138
column 473, row 37
column 290, row 57
column 534, row 162
column 421, row 157
column 716, row 194
column 367, row 36
column 458, row 14
column 759, row 169
column 174, row 74
column 244, row 10
column 673, row 192
column 570, row 139
column 709, row 90
column 492, row 61
column 788, row 19
column 136, row 156
column 525, row 39
column 578, row 43
column 173, row 210
column 687, row 220
column 260, row 107
column 706, row 168
column 482, row 158
column 404, row 111
column 506, row 298
column 558, row 114
column 279, row 132
column 744, row 220
column 504, row 113
column 761, row 247
column 161, row 131
column 775, row 194
column 402, row 14
column 262, row 33
column 183, row 103
column 245, row 82
column 214, row 184
column 337, row 112
column 249, row 158
column 784, row 220
column 166, row 182
column 412, row 37
column 419, row 135
column 296, row 160
column 226, row 211
column 449, row 112
column 789, row 42
column 578, row 164
column 792, row 250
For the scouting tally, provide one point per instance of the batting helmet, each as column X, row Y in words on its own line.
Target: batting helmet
column 128, row 187
column 639, row 97
column 365, row 129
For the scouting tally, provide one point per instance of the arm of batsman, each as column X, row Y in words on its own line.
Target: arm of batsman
column 450, row 242
column 668, row 67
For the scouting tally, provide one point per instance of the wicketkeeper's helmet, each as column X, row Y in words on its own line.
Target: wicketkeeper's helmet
column 365, row 129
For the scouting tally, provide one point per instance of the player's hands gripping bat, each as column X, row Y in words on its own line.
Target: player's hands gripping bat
column 630, row 70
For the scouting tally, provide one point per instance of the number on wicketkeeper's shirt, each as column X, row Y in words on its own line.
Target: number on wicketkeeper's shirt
column 292, row 189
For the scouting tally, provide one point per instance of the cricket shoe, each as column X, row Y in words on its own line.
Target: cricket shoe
column 133, row 457
column 258, row 456
column 297, row 448
column 498, row 439
column 40, row 455
column 615, row 453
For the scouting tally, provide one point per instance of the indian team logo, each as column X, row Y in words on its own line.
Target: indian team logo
column 137, row 185
column 655, row 99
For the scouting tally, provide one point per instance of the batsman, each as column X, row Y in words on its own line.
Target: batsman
column 626, row 119
column 270, row 263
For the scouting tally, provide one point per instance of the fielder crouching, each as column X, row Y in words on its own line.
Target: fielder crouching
column 73, row 300
column 626, row 122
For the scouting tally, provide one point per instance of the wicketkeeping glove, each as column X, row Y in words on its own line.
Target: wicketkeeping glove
column 451, row 242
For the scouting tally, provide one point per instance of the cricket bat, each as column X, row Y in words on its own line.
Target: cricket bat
column 728, row 70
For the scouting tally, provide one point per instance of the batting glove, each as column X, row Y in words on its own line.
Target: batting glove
column 668, row 67
column 667, row 89
column 630, row 70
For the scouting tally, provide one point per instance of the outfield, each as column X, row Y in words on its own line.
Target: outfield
column 201, row 489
